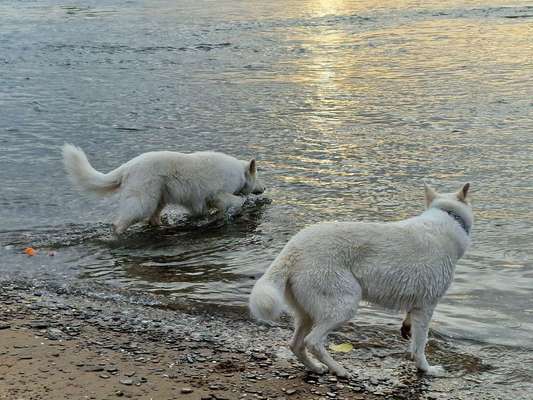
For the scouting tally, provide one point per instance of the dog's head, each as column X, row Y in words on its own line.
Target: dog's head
column 252, row 184
column 456, row 203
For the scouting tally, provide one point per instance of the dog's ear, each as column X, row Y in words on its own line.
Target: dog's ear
column 430, row 194
column 461, row 194
column 252, row 169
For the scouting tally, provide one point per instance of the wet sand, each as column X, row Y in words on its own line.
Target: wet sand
column 57, row 345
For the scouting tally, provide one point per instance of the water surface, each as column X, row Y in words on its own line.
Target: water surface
column 347, row 105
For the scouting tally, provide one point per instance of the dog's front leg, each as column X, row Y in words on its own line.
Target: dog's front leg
column 406, row 326
column 420, row 318
column 226, row 201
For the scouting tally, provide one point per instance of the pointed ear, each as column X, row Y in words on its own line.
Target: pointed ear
column 461, row 194
column 252, row 169
column 430, row 194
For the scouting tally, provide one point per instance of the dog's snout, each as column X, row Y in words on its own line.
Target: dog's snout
column 258, row 189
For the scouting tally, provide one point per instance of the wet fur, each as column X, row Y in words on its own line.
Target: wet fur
column 148, row 182
column 325, row 270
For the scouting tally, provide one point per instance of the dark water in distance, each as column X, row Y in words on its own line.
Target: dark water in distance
column 348, row 106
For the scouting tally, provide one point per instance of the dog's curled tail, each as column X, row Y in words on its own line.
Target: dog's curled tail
column 84, row 176
column 267, row 298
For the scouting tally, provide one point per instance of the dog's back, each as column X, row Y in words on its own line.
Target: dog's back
column 397, row 265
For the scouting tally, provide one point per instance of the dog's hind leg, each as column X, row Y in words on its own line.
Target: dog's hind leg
column 302, row 326
column 420, row 318
column 332, row 309
column 132, row 209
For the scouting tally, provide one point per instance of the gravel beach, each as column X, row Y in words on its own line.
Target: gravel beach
column 60, row 344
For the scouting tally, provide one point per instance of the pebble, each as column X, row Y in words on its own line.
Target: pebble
column 4, row 326
column 127, row 382
column 186, row 390
column 93, row 368
column 39, row 324
column 54, row 334
column 290, row 392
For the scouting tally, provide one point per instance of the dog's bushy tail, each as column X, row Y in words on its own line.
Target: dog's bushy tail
column 84, row 176
column 267, row 298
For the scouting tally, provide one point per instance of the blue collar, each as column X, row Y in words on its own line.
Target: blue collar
column 459, row 220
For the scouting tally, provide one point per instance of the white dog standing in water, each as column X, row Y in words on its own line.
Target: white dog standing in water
column 148, row 182
column 327, row 269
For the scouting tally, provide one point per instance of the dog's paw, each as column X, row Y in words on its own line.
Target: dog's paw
column 319, row 369
column 344, row 374
column 435, row 370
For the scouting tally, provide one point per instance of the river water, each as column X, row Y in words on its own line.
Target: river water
column 348, row 106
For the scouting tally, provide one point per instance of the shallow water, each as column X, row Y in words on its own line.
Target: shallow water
column 347, row 105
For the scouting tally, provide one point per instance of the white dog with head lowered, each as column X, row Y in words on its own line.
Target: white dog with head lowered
column 325, row 270
column 148, row 182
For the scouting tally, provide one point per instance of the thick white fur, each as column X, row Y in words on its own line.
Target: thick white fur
column 325, row 270
column 148, row 182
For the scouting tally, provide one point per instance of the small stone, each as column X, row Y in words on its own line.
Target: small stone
column 290, row 392
column 39, row 324
column 119, row 393
column 93, row 368
column 54, row 334
column 129, row 374
column 25, row 357
column 186, row 390
column 104, row 376
column 4, row 326
column 127, row 382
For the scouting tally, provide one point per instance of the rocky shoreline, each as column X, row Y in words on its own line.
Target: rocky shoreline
column 57, row 344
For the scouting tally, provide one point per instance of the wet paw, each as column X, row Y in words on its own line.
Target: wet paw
column 342, row 373
column 435, row 370
column 318, row 368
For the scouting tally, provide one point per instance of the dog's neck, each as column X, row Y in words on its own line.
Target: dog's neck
column 460, row 220
column 456, row 217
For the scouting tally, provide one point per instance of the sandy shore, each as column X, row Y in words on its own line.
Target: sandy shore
column 64, row 346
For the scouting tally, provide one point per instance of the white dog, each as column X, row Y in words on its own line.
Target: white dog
column 327, row 269
column 148, row 182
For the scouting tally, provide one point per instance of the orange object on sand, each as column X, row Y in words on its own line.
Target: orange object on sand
column 30, row 251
